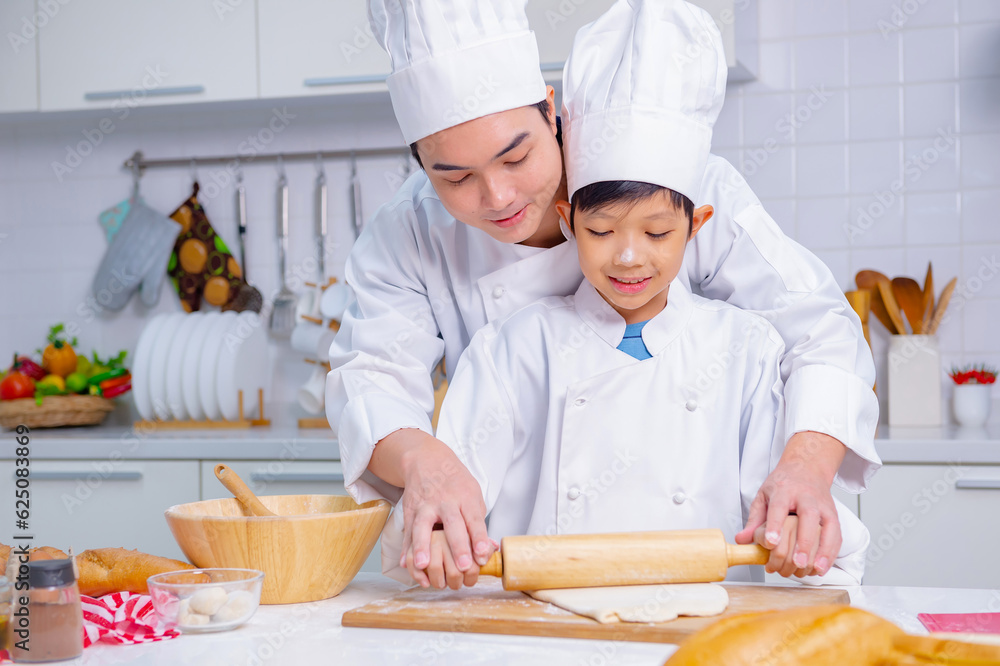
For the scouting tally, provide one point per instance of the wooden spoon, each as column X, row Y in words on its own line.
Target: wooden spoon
column 942, row 306
column 928, row 298
column 232, row 481
column 869, row 280
column 861, row 301
column 911, row 299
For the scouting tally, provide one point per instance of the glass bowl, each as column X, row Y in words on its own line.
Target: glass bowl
column 204, row 600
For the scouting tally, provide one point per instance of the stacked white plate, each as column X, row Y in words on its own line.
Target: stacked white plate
column 193, row 366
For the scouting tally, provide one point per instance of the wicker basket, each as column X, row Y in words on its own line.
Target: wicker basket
column 55, row 411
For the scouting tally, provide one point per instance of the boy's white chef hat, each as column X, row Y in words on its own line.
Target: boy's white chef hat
column 456, row 60
column 642, row 88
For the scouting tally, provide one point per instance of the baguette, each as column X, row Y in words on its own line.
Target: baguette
column 105, row 570
column 824, row 636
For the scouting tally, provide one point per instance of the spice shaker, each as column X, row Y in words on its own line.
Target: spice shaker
column 50, row 626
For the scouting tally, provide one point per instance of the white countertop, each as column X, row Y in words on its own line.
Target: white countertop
column 303, row 634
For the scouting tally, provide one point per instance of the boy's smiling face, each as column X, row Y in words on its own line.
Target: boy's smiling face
column 631, row 251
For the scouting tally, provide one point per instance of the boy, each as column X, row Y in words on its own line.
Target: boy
column 632, row 404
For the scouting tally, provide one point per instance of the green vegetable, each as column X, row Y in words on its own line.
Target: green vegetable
column 43, row 389
column 111, row 363
column 110, row 374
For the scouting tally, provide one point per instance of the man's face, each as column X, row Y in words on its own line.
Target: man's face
column 499, row 173
column 631, row 252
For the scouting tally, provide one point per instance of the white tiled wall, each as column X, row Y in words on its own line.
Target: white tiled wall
column 848, row 93
column 853, row 95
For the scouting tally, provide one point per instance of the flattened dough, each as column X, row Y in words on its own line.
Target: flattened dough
column 639, row 603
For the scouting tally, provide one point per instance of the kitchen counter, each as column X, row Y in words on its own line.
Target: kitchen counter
column 304, row 634
column 940, row 445
column 119, row 439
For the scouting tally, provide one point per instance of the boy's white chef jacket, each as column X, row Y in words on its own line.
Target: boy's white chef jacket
column 424, row 283
column 566, row 434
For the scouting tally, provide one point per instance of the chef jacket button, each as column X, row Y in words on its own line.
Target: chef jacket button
column 691, row 405
column 679, row 498
column 499, row 291
column 574, row 493
column 580, row 402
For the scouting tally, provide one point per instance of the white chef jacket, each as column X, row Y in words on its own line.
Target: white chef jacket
column 424, row 283
column 566, row 434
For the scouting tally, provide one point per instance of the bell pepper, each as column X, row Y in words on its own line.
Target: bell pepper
column 59, row 357
column 113, row 382
column 118, row 390
column 26, row 366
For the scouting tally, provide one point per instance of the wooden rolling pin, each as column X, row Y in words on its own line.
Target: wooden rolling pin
column 632, row 558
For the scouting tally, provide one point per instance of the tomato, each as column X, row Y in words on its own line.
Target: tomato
column 16, row 385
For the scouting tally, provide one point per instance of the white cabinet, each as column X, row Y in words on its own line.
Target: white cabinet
column 285, row 477
column 127, row 53
column 933, row 526
column 318, row 47
column 555, row 23
column 19, row 56
column 104, row 503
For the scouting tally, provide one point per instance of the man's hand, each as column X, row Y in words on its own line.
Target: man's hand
column 437, row 488
column 800, row 485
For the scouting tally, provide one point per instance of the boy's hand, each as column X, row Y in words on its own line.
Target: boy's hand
column 800, row 485
column 441, row 570
column 783, row 553
column 438, row 488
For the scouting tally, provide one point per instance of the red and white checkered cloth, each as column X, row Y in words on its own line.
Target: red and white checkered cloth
column 122, row 617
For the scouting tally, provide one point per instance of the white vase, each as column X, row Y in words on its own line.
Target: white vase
column 914, row 381
column 971, row 404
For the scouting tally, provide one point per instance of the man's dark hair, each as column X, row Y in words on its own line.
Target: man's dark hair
column 626, row 193
column 542, row 106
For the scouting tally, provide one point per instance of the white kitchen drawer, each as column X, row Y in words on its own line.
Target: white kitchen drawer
column 103, row 503
column 19, row 56
column 318, row 47
column 278, row 477
column 125, row 53
column 933, row 526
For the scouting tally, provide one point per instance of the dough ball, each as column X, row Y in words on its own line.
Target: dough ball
column 208, row 600
column 193, row 256
column 240, row 604
column 193, row 620
column 217, row 291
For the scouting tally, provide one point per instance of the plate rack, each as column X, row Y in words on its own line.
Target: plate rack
column 208, row 424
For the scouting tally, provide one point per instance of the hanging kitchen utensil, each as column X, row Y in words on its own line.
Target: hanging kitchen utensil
column 910, row 297
column 928, row 298
column 357, row 213
column 248, row 298
column 310, row 299
column 942, row 305
column 869, row 280
column 283, row 309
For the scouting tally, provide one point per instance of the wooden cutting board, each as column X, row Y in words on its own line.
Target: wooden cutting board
column 489, row 609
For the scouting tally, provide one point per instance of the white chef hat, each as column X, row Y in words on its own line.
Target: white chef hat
column 456, row 60
column 642, row 88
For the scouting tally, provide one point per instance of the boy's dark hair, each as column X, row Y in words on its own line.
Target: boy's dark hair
column 542, row 106
column 626, row 193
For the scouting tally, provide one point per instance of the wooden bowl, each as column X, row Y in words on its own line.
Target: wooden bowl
column 310, row 551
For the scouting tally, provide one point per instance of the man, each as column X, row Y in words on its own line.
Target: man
column 475, row 235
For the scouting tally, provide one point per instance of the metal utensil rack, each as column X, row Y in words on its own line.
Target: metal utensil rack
column 137, row 162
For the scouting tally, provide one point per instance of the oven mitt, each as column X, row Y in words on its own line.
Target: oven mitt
column 201, row 266
column 138, row 256
column 111, row 220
